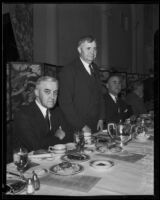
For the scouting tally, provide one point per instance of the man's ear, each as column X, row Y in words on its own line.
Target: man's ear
column 79, row 50
column 106, row 85
column 36, row 92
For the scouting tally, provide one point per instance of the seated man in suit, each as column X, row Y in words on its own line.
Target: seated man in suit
column 116, row 108
column 135, row 98
column 36, row 126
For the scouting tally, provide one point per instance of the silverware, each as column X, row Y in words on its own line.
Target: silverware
column 12, row 173
column 20, row 176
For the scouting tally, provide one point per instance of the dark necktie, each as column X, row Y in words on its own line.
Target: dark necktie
column 91, row 70
column 117, row 102
column 47, row 119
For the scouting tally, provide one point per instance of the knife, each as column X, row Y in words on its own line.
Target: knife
column 12, row 173
column 20, row 176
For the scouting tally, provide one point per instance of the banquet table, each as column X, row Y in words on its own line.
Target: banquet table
column 128, row 176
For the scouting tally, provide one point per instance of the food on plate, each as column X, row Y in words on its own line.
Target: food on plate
column 40, row 151
column 116, row 149
column 66, row 168
column 40, row 171
column 75, row 157
column 102, row 149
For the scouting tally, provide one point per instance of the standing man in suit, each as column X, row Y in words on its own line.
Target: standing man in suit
column 80, row 94
column 36, row 126
column 116, row 108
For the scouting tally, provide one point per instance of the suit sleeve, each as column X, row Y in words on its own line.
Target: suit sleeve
column 66, row 96
column 102, row 101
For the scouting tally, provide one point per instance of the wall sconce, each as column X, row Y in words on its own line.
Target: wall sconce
column 124, row 22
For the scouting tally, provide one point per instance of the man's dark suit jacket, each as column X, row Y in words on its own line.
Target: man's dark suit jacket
column 80, row 96
column 111, row 109
column 31, row 130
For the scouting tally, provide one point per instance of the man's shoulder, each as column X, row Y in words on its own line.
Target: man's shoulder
column 71, row 67
column 27, row 108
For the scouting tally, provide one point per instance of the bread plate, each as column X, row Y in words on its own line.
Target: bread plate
column 101, row 164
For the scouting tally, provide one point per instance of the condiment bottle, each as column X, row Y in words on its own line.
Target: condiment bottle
column 30, row 187
column 36, row 182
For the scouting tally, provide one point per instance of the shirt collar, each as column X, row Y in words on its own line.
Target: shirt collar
column 86, row 65
column 42, row 108
column 113, row 97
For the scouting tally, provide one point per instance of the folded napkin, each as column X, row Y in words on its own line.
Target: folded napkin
column 80, row 183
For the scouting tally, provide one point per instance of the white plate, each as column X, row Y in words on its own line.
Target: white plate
column 74, row 168
column 101, row 164
column 75, row 157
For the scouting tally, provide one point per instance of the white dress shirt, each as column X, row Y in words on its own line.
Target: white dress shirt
column 86, row 66
column 43, row 109
column 113, row 97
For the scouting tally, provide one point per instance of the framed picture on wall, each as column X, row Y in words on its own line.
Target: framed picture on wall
column 21, row 78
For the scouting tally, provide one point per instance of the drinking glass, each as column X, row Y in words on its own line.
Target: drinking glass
column 20, row 159
column 79, row 140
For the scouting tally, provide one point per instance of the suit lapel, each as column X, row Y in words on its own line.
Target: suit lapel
column 40, row 118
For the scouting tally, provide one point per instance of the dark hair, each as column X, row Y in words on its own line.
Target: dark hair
column 87, row 38
column 114, row 75
column 136, row 84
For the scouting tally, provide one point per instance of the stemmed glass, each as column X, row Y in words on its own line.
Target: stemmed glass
column 20, row 159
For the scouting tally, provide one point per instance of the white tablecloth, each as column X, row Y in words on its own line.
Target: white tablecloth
column 124, row 178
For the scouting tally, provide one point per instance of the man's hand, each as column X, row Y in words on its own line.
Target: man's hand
column 86, row 129
column 60, row 133
column 100, row 125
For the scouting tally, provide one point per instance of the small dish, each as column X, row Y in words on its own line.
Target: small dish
column 101, row 164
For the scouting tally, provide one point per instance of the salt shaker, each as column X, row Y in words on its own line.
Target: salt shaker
column 36, row 182
column 30, row 187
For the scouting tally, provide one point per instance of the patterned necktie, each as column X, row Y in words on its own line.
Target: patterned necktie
column 47, row 119
column 91, row 70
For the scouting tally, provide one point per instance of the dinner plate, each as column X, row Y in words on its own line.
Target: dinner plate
column 104, row 149
column 101, row 164
column 66, row 169
column 75, row 157
column 17, row 186
column 47, row 156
